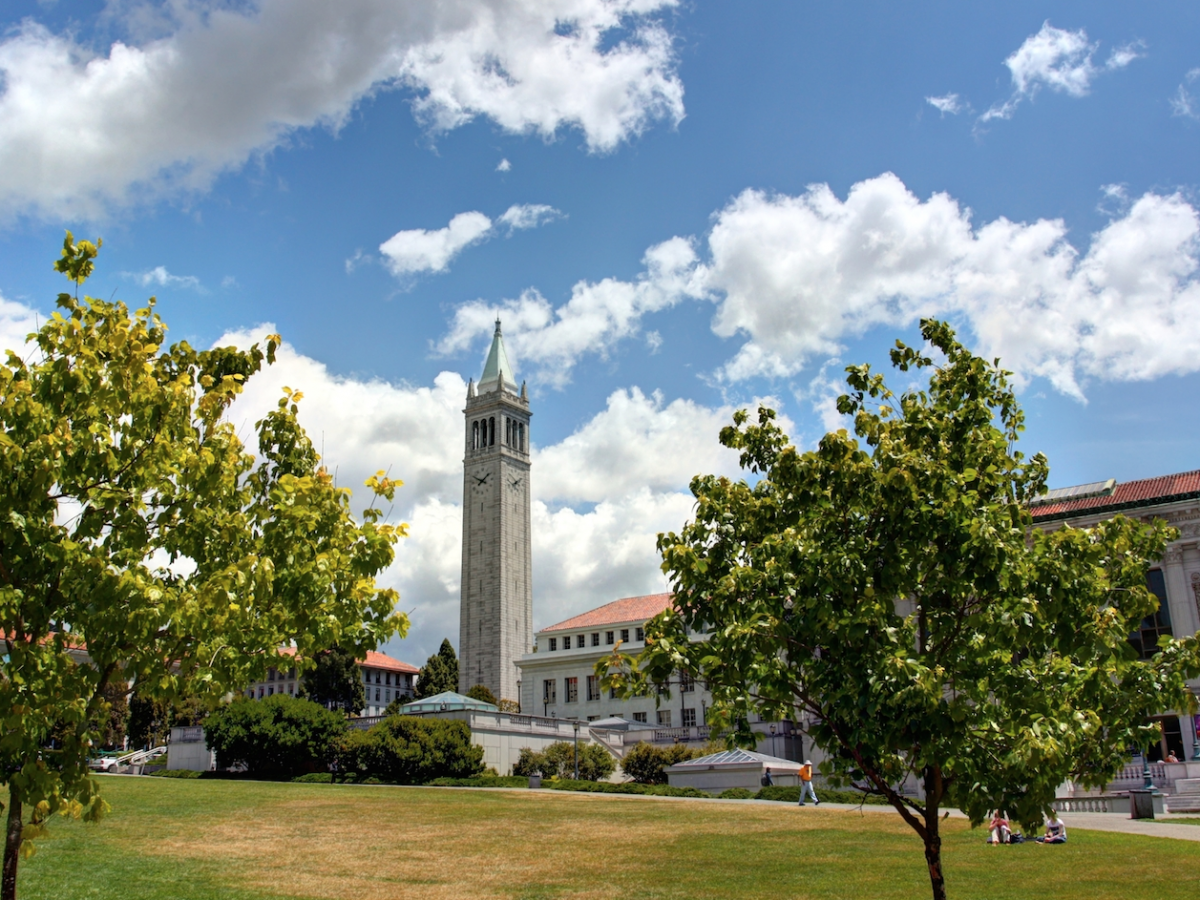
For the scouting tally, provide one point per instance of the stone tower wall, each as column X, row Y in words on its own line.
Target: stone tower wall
column 496, row 617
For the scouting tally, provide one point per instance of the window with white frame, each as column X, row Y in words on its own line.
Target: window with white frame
column 572, row 690
column 664, row 717
column 639, row 717
column 593, row 687
column 689, row 718
column 550, row 690
column 553, row 644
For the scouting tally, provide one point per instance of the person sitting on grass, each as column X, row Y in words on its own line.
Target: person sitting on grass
column 998, row 829
column 1056, row 831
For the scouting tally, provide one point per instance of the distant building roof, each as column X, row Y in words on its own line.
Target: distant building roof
column 735, row 757
column 375, row 660
column 630, row 609
column 378, row 660
column 444, row 702
column 1108, row 496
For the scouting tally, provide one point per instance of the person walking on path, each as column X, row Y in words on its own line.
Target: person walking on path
column 767, row 780
column 806, row 783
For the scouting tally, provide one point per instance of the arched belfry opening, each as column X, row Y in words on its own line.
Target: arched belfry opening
column 496, row 608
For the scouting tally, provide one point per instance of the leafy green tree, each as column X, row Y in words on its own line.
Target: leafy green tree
column 152, row 718
column 595, row 763
column 277, row 737
column 114, row 724
column 411, row 750
column 890, row 587
column 439, row 674
column 483, row 693
column 134, row 523
column 335, row 681
column 529, row 762
column 558, row 761
column 645, row 762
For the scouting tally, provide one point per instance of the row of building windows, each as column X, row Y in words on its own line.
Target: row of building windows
column 687, row 684
column 483, row 433
column 378, row 676
column 609, row 639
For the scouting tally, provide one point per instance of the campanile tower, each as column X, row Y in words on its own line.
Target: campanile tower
column 496, row 615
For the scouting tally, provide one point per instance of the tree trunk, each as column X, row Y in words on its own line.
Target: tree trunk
column 933, row 856
column 933, row 835
column 12, row 845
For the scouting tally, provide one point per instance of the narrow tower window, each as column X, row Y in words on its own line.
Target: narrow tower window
column 475, row 436
column 491, row 430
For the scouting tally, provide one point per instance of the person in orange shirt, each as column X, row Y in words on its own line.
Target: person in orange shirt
column 806, row 773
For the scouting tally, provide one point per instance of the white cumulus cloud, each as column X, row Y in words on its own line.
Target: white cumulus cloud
column 81, row 131
column 160, row 277
column 1184, row 102
column 947, row 103
column 1060, row 60
column 419, row 250
column 17, row 321
column 596, row 318
column 794, row 277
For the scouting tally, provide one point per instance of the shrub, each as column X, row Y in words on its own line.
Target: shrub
column 482, row 781
column 529, row 762
column 314, row 778
column 484, row 694
column 279, row 737
column 645, row 762
column 558, row 761
column 177, row 773
column 607, row 787
column 736, row 794
column 410, row 750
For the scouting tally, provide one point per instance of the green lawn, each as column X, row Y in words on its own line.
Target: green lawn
column 194, row 840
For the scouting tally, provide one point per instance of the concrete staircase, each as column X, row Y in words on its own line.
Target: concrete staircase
column 1186, row 798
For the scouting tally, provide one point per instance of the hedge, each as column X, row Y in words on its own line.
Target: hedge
column 177, row 773
column 508, row 781
column 607, row 787
column 736, row 794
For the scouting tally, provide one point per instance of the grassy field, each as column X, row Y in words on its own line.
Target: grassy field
column 196, row 840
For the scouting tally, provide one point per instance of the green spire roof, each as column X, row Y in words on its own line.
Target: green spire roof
column 497, row 371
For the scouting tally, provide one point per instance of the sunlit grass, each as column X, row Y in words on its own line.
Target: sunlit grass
column 243, row 840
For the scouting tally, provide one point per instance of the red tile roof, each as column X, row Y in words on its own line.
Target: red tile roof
column 1146, row 492
column 383, row 661
column 374, row 660
column 631, row 609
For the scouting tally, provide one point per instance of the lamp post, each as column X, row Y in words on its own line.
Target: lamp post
column 1196, row 737
column 576, row 724
column 772, row 730
column 1147, row 781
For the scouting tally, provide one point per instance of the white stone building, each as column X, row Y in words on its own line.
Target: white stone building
column 558, row 681
column 384, row 679
column 1175, row 579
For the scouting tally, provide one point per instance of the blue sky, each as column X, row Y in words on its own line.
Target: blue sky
column 677, row 209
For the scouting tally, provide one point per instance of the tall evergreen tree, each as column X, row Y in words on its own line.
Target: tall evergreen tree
column 440, row 672
column 335, row 682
